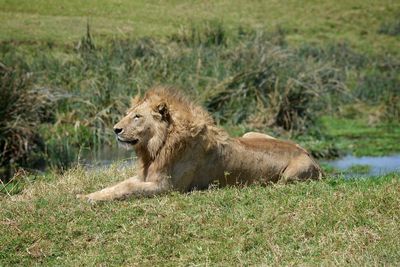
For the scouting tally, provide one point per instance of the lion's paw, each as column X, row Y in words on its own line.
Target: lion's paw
column 86, row 197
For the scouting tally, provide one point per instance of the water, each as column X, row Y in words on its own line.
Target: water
column 377, row 165
column 106, row 156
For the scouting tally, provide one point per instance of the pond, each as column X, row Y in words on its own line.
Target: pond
column 106, row 156
column 366, row 166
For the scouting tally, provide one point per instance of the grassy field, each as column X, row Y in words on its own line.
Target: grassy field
column 312, row 21
column 330, row 222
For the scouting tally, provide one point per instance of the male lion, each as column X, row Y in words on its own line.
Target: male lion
column 179, row 147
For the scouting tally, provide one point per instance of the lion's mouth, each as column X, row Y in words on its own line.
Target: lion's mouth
column 131, row 142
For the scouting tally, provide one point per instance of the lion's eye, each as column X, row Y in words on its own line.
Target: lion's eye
column 136, row 117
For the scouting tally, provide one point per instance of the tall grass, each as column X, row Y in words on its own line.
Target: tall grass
column 22, row 109
column 247, row 77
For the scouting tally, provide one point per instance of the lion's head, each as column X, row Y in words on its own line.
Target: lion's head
column 145, row 125
column 160, row 123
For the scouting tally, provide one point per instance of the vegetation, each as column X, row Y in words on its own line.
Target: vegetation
column 22, row 110
column 360, row 137
column 317, row 22
column 391, row 27
column 359, row 169
column 249, row 80
column 334, row 221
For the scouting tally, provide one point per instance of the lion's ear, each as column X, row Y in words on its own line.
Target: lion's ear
column 162, row 108
column 135, row 101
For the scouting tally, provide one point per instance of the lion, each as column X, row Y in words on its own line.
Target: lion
column 179, row 147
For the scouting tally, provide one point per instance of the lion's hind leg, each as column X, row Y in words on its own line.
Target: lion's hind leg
column 300, row 169
column 257, row 135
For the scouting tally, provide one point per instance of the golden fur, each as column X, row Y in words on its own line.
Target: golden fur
column 179, row 147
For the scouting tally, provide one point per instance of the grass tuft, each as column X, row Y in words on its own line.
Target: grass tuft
column 209, row 33
column 391, row 27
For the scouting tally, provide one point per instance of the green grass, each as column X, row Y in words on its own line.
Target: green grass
column 356, row 136
column 352, row 222
column 359, row 169
column 359, row 21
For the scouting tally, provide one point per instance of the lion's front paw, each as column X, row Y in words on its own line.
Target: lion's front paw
column 80, row 196
column 88, row 198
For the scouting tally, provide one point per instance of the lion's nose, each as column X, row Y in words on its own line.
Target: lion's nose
column 118, row 130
